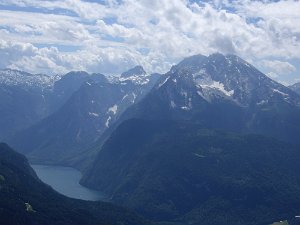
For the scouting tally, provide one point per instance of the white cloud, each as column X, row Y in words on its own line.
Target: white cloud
column 85, row 10
column 49, row 60
column 272, row 75
column 43, row 28
column 109, row 37
column 279, row 67
column 29, row 58
column 280, row 22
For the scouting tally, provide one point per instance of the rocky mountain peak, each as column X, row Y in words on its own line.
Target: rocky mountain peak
column 77, row 74
column 225, row 76
column 190, row 63
column 135, row 71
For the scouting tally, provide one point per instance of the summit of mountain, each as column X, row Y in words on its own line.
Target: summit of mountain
column 222, row 91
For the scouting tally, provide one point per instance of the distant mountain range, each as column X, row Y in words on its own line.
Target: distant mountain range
column 24, row 100
column 26, row 200
column 91, row 103
column 23, row 79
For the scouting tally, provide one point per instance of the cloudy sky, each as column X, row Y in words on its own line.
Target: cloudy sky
column 110, row 36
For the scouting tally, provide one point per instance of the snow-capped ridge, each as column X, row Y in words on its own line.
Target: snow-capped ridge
column 135, row 71
column 136, row 75
column 12, row 77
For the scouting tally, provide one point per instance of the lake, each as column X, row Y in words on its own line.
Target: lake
column 65, row 180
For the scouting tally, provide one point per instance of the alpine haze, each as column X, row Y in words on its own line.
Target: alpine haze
column 182, row 112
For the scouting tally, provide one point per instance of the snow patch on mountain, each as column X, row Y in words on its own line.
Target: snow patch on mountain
column 136, row 79
column 162, row 83
column 112, row 79
column 185, row 108
column 218, row 86
column 201, row 94
column 183, row 93
column 204, row 81
column 136, row 75
column 206, row 84
column 134, row 97
column 280, row 92
column 262, row 102
column 113, row 109
column 94, row 114
column 172, row 104
column 188, row 102
column 201, row 74
column 107, row 121
column 125, row 96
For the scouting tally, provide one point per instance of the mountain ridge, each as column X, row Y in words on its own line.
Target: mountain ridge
column 177, row 171
column 88, row 112
column 250, row 100
column 218, row 103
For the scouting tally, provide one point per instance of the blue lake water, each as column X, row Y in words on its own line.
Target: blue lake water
column 65, row 180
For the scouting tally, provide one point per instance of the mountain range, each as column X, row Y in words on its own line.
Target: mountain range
column 212, row 141
column 26, row 98
column 223, row 92
column 180, row 172
column 94, row 102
